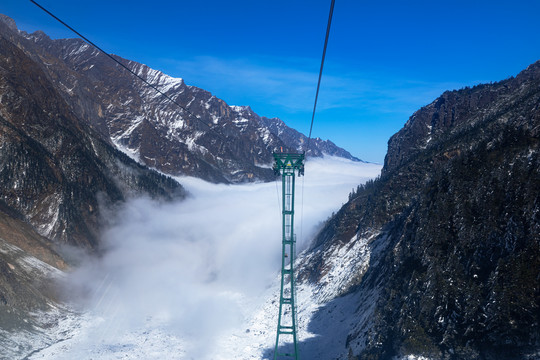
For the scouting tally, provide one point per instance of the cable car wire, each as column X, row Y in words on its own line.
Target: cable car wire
column 127, row 69
column 320, row 72
column 330, row 15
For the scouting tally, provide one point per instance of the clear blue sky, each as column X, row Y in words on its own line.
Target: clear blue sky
column 385, row 59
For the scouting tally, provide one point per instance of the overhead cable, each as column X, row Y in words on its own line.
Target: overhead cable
column 320, row 72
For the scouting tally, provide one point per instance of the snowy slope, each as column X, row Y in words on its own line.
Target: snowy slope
column 39, row 328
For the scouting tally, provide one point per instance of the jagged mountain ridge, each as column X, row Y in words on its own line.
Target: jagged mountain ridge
column 213, row 140
column 449, row 234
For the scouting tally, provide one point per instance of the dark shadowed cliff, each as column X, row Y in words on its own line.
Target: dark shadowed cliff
column 454, row 268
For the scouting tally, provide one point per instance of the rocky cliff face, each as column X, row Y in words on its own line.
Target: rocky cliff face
column 203, row 137
column 55, row 170
column 450, row 232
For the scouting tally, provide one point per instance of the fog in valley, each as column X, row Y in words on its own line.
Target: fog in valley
column 188, row 273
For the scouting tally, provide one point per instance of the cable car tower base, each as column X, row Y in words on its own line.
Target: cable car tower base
column 287, row 164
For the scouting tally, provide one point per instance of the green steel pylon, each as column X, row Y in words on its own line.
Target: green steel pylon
column 286, row 164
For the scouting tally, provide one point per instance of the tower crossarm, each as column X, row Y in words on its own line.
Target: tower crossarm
column 289, row 162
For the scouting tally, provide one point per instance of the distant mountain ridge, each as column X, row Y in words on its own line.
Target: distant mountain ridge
column 236, row 145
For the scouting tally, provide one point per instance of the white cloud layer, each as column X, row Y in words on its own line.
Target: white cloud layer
column 186, row 270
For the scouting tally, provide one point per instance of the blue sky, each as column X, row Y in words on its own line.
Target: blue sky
column 385, row 59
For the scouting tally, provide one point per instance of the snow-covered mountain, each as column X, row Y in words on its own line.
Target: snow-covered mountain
column 203, row 137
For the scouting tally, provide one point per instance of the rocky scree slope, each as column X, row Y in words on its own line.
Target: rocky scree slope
column 454, row 269
column 212, row 140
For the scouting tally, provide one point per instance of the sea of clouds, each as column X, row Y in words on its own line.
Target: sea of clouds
column 190, row 271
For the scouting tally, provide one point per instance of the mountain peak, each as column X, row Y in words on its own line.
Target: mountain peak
column 454, row 113
column 38, row 35
column 532, row 71
column 9, row 22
